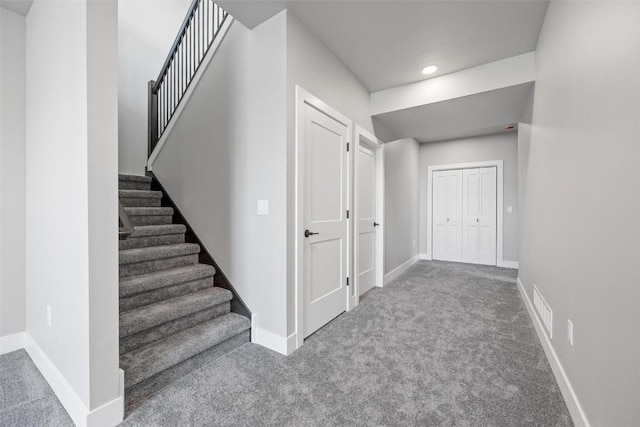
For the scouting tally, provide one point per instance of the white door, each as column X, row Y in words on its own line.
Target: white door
column 366, row 185
column 325, row 220
column 487, row 214
column 454, row 215
column 470, row 215
column 439, row 215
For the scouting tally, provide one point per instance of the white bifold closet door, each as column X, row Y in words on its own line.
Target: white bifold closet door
column 479, row 216
column 464, row 215
column 447, row 215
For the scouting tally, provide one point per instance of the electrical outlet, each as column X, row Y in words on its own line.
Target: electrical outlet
column 263, row 207
column 49, row 315
column 414, row 243
column 570, row 331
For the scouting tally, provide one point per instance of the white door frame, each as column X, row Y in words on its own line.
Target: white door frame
column 305, row 98
column 365, row 138
column 499, row 165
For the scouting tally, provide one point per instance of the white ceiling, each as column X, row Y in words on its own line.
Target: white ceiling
column 20, row 7
column 485, row 113
column 386, row 43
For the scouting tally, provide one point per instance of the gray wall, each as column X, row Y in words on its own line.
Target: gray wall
column 146, row 31
column 71, row 194
column 580, row 196
column 492, row 147
column 12, row 172
column 228, row 150
column 401, row 201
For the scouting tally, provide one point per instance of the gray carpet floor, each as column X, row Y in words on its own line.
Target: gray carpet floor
column 445, row 344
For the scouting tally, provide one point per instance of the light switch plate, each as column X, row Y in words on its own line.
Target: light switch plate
column 509, row 209
column 263, row 207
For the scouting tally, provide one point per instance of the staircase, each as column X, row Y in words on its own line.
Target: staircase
column 172, row 318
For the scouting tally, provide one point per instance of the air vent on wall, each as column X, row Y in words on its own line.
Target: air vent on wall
column 544, row 311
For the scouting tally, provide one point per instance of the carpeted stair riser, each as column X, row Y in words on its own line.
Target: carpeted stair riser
column 157, row 252
column 161, row 294
column 137, row 393
column 148, row 336
column 146, row 317
column 157, row 230
column 137, row 220
column 148, row 282
column 152, row 359
column 138, row 268
column 149, row 215
column 140, row 198
column 133, row 185
column 139, row 202
column 143, row 242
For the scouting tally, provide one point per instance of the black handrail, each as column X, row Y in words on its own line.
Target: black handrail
column 196, row 35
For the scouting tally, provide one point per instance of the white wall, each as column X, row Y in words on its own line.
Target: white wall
column 228, row 150
column 502, row 146
column 12, row 172
column 71, row 210
column 146, row 31
column 313, row 67
column 581, row 200
column 401, row 202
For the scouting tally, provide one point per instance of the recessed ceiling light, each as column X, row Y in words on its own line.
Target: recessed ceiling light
column 430, row 69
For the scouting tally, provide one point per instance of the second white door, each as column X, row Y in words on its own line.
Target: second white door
column 366, row 182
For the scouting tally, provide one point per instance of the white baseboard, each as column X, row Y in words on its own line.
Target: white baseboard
column 107, row 415
column 424, row 256
column 508, row 264
column 12, row 342
column 573, row 404
column 390, row 276
column 271, row 340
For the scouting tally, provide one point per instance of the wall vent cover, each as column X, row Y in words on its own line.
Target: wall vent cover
column 544, row 311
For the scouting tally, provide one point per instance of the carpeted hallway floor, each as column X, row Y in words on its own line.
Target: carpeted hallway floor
column 445, row 344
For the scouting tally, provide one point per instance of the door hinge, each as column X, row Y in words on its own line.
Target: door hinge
column 347, row 213
column 347, row 281
column 347, row 146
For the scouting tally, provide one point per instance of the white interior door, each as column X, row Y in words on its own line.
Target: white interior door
column 326, row 226
column 366, row 183
column 454, row 215
column 487, row 212
column 470, row 214
column 439, row 240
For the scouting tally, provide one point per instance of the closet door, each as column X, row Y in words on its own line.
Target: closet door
column 487, row 216
column 439, row 240
column 470, row 214
column 454, row 215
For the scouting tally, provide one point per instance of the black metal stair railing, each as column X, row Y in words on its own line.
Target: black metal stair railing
column 197, row 33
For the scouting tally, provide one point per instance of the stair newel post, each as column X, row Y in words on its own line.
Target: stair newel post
column 152, row 117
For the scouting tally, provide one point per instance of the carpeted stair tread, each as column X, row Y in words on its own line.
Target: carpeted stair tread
column 136, row 178
column 155, row 314
column 143, row 194
column 158, row 230
column 148, row 361
column 161, row 279
column 149, row 211
column 131, row 256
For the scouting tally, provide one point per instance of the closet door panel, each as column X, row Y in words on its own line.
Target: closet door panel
column 439, row 215
column 487, row 216
column 470, row 214
column 454, row 215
